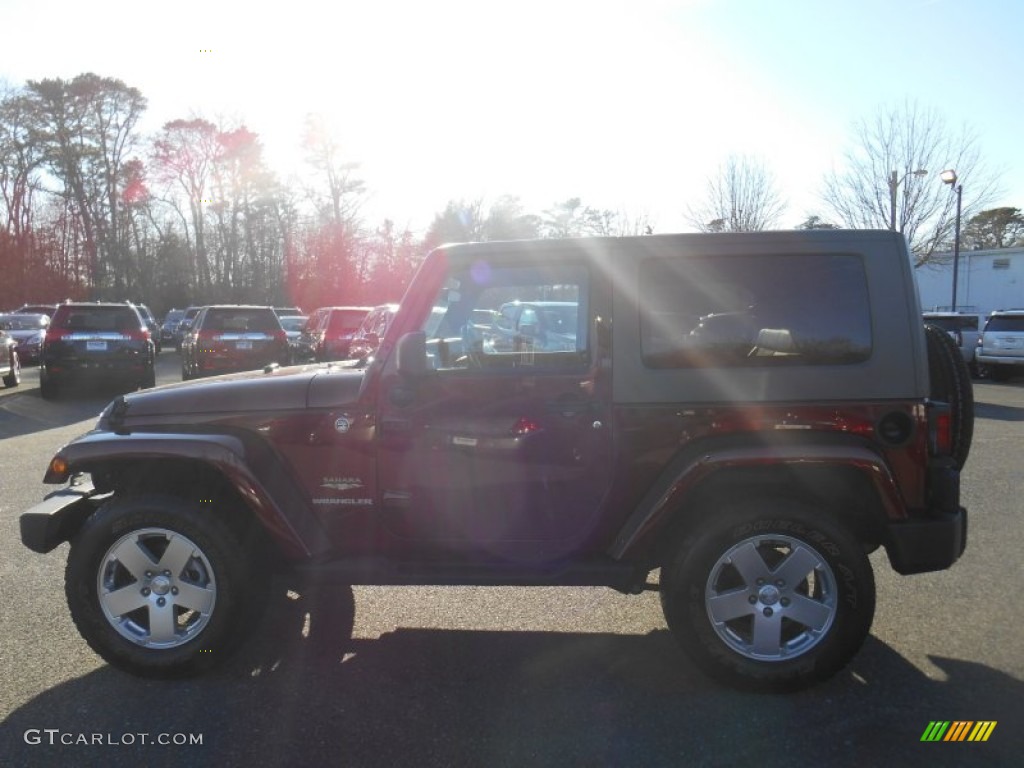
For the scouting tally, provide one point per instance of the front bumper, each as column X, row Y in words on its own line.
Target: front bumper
column 58, row 517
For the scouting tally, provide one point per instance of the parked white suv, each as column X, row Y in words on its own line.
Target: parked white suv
column 1001, row 346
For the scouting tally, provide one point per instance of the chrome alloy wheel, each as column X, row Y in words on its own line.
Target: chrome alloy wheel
column 156, row 588
column 771, row 598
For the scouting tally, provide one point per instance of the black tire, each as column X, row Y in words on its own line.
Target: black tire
column 998, row 372
column 213, row 588
column 47, row 387
column 13, row 377
column 950, row 382
column 186, row 374
column 830, row 586
column 149, row 381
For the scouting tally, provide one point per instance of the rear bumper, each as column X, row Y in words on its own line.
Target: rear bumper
column 87, row 370
column 987, row 359
column 56, row 519
column 934, row 540
column 931, row 544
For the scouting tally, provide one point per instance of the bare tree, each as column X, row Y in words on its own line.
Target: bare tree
column 742, row 196
column 183, row 154
column 345, row 191
column 86, row 127
column 883, row 185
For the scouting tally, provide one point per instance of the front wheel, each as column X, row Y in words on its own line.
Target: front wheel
column 769, row 596
column 161, row 588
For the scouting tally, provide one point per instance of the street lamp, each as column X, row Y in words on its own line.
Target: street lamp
column 949, row 177
column 895, row 181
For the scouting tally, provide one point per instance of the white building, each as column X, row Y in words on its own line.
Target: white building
column 987, row 280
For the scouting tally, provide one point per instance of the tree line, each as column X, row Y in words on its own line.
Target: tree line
column 93, row 209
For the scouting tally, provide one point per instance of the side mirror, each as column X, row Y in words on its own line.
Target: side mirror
column 411, row 355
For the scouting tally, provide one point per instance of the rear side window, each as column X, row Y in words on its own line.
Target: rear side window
column 802, row 309
column 241, row 320
column 346, row 321
column 1005, row 324
column 97, row 319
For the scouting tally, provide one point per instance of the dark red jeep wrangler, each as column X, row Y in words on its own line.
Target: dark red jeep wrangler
column 751, row 415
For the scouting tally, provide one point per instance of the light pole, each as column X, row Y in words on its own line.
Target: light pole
column 949, row 177
column 895, row 181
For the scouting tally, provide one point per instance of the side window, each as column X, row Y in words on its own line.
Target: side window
column 802, row 309
column 494, row 318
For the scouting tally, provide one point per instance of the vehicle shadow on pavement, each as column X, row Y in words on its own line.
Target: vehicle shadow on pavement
column 998, row 412
column 422, row 696
column 25, row 413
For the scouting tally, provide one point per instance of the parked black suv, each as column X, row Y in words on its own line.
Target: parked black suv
column 86, row 342
column 751, row 414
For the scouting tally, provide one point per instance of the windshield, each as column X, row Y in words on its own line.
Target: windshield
column 953, row 322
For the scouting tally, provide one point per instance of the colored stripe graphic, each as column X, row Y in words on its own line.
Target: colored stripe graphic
column 982, row 730
column 959, row 730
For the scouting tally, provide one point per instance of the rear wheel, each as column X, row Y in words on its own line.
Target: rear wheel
column 161, row 588
column 998, row 372
column 769, row 595
column 47, row 387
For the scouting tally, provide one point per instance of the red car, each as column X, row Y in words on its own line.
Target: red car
column 331, row 341
column 367, row 338
column 227, row 338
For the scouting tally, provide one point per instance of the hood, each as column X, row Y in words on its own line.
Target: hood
column 282, row 389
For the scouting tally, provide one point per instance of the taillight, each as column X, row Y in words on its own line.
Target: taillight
column 139, row 335
column 941, row 431
column 281, row 336
column 525, row 426
column 54, row 334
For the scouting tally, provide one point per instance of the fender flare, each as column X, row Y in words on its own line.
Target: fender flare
column 688, row 471
column 250, row 467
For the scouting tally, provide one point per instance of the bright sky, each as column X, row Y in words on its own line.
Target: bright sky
column 629, row 105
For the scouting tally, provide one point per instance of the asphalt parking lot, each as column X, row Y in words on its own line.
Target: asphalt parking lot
column 512, row 676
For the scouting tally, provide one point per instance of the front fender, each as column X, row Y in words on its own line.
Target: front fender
column 250, row 467
column 683, row 476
